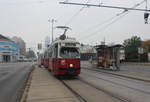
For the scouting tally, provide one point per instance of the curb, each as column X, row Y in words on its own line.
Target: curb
column 27, row 85
column 132, row 63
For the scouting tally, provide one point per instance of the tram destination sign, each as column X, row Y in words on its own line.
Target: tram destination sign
column 70, row 44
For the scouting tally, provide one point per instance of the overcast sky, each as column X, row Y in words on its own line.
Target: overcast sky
column 28, row 19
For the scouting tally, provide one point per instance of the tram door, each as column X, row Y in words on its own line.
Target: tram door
column 55, row 56
column 6, row 58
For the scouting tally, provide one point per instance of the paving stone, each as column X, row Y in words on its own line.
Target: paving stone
column 46, row 88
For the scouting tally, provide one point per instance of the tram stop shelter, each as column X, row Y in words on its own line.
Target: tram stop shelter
column 108, row 56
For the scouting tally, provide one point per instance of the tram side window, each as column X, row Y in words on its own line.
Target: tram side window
column 50, row 52
column 45, row 56
column 55, row 51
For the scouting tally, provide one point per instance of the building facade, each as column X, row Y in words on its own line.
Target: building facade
column 87, row 52
column 9, row 50
column 20, row 42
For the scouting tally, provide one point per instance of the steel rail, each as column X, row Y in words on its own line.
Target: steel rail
column 119, row 84
column 93, row 86
column 121, row 75
column 81, row 99
column 106, row 92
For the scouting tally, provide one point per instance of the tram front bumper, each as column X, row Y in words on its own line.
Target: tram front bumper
column 71, row 71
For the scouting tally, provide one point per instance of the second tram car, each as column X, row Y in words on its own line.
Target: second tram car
column 64, row 57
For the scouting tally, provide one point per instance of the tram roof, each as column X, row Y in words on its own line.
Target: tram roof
column 106, row 46
column 71, row 40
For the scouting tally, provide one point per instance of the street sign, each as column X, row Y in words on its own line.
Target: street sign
column 140, row 50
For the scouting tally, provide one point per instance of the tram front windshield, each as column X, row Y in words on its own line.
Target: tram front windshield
column 69, row 52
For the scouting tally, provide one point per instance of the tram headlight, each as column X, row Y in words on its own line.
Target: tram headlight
column 71, row 65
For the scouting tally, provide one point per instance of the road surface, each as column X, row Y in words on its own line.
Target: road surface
column 12, row 79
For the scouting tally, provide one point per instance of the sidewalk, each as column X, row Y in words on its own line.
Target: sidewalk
column 46, row 88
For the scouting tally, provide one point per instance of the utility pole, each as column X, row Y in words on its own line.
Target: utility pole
column 52, row 21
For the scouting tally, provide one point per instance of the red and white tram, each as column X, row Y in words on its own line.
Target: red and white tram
column 63, row 57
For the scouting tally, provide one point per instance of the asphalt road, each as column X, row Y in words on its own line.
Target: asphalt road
column 12, row 79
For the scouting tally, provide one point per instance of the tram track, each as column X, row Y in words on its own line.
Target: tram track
column 107, row 92
column 120, row 75
column 132, row 88
column 83, row 99
column 78, row 96
column 71, row 85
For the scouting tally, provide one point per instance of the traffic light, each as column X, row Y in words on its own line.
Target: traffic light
column 146, row 15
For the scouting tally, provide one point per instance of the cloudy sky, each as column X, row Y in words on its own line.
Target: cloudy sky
column 28, row 19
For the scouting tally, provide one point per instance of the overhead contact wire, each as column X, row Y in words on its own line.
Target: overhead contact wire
column 119, row 14
column 76, row 14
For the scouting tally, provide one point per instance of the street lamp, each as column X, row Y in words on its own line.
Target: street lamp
column 52, row 21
